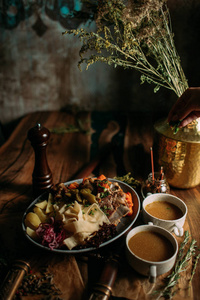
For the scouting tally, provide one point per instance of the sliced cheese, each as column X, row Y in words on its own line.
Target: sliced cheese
column 49, row 207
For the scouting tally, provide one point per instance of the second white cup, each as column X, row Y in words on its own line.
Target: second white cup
column 176, row 225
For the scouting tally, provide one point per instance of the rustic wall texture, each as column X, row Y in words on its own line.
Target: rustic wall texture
column 38, row 65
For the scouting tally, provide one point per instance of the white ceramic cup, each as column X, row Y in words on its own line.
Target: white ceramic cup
column 175, row 226
column 149, row 268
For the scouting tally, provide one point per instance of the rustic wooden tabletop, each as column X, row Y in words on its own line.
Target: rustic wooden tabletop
column 100, row 143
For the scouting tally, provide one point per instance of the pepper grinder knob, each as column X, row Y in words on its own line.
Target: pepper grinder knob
column 42, row 176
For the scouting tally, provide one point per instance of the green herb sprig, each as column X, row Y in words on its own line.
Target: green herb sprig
column 181, row 264
column 175, row 125
column 129, row 180
column 69, row 128
column 194, row 269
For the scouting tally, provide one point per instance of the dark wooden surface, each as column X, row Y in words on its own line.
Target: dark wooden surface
column 116, row 145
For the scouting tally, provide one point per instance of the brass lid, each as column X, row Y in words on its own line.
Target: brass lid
column 189, row 133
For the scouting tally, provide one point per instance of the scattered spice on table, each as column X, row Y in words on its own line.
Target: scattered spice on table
column 41, row 284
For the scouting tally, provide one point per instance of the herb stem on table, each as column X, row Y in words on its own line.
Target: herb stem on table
column 180, row 266
column 194, row 269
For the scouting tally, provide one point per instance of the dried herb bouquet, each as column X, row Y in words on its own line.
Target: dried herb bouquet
column 135, row 34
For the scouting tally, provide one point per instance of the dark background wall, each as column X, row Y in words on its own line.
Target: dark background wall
column 38, row 65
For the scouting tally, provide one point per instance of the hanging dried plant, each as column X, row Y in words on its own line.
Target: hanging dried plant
column 135, row 34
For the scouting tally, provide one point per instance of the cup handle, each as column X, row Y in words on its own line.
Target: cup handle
column 153, row 274
column 178, row 230
column 148, row 194
column 150, row 223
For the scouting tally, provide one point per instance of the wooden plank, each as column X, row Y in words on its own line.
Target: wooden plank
column 66, row 154
column 139, row 137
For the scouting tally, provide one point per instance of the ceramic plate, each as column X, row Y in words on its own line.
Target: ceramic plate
column 125, row 224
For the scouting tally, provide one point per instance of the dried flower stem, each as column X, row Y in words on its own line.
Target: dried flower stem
column 138, row 36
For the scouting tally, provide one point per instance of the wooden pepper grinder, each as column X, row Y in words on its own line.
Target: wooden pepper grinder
column 102, row 290
column 42, row 176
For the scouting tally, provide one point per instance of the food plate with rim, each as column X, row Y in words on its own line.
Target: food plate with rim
column 124, row 225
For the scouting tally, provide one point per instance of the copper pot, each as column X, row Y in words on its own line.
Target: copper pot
column 179, row 153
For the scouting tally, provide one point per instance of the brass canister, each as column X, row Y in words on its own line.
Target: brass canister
column 179, row 153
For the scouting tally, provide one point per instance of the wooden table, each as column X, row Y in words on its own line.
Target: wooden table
column 127, row 139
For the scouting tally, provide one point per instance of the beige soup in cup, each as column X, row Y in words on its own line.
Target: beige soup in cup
column 151, row 250
column 165, row 210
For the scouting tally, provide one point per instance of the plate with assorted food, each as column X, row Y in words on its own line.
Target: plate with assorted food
column 81, row 215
